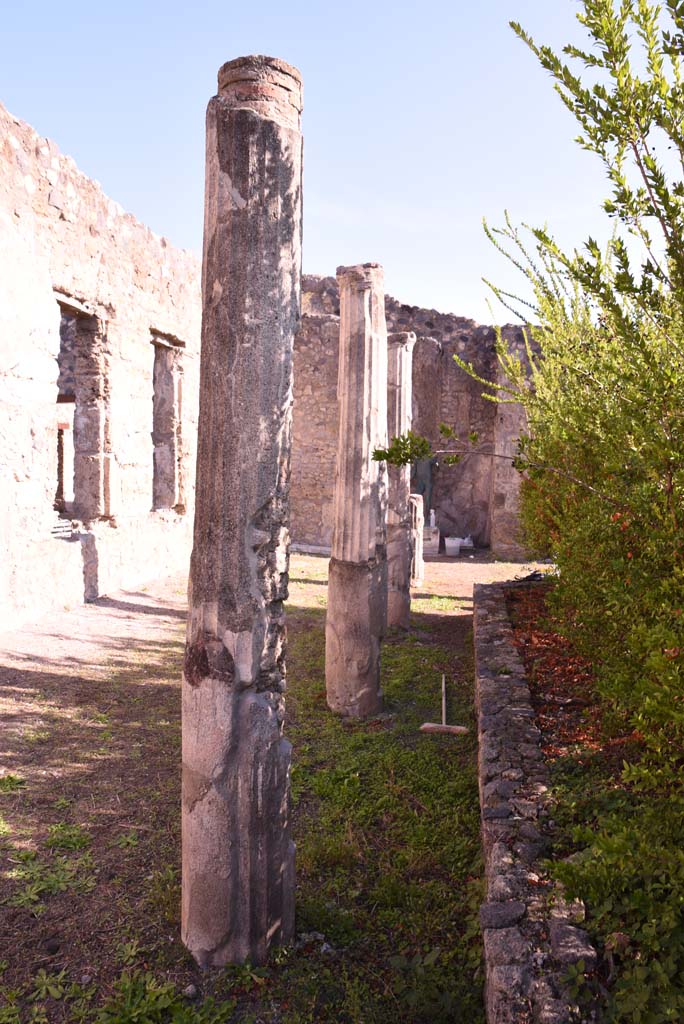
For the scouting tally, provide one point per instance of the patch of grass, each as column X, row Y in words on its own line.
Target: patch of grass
column 337, row 923
column 419, row 983
column 49, row 986
column 128, row 952
column 64, row 836
column 165, row 893
column 437, row 603
column 385, row 820
column 143, row 998
column 40, row 879
column 36, row 736
column 126, row 840
column 388, row 843
column 11, row 783
column 9, row 1012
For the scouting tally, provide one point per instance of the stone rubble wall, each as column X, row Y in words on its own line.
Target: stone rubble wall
column 479, row 496
column 62, row 237
column 530, row 932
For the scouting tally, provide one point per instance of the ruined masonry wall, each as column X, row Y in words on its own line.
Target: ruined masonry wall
column 61, row 237
column 479, row 496
column 314, row 431
column 59, row 233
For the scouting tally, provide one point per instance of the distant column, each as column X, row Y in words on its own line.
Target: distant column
column 417, row 526
column 238, row 856
column 357, row 582
column 399, row 539
column 506, row 540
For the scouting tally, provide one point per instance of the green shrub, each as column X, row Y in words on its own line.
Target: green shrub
column 603, row 494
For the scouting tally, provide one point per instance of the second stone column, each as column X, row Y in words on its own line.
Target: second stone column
column 357, row 582
column 399, row 534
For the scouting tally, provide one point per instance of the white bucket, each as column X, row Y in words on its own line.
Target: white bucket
column 453, row 546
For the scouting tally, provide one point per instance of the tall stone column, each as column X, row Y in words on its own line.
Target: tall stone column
column 238, row 856
column 357, row 580
column 399, row 539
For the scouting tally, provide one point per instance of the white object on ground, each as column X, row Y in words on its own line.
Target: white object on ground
column 454, row 730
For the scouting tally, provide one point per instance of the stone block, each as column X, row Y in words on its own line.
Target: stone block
column 501, row 915
column 570, row 944
column 504, row 946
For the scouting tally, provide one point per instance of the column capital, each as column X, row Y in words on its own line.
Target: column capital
column 362, row 275
column 266, row 85
column 401, row 339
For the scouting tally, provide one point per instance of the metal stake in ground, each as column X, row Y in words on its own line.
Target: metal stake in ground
column 453, row 730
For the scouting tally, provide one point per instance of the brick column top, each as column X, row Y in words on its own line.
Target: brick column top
column 266, row 85
column 362, row 274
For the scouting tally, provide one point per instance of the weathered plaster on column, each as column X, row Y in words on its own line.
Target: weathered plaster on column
column 399, row 539
column 357, row 582
column 238, row 857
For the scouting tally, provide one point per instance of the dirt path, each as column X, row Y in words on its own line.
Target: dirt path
column 91, row 637
column 87, row 636
column 52, row 672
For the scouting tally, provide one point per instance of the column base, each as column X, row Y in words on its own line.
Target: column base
column 355, row 624
column 399, row 558
column 238, row 857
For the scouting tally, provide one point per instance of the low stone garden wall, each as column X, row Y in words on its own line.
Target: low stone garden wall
column 530, row 932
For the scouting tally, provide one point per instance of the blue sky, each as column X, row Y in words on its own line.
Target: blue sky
column 419, row 119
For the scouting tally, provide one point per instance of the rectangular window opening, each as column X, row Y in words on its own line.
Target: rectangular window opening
column 82, row 421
